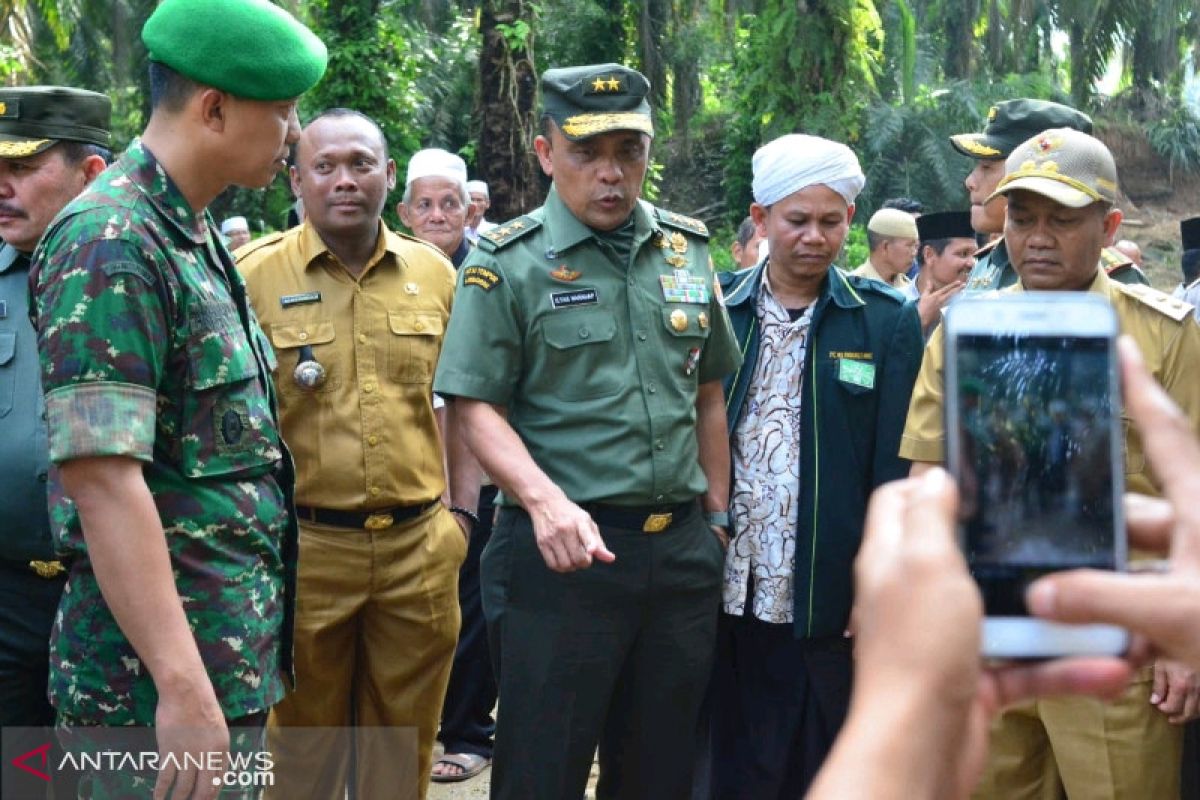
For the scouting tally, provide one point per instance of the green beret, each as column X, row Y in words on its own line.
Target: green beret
column 1014, row 121
column 586, row 101
column 249, row 48
column 35, row 118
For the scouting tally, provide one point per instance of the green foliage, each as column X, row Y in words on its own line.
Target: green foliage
column 1176, row 137
column 854, row 249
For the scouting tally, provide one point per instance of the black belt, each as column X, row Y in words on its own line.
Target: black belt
column 366, row 520
column 648, row 519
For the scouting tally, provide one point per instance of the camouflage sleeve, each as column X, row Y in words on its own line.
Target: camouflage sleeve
column 103, row 330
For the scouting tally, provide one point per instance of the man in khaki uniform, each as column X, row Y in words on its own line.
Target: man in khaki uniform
column 356, row 313
column 892, row 239
column 1061, row 186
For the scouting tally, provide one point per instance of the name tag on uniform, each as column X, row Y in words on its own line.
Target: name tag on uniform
column 289, row 300
column 576, row 297
column 684, row 287
column 858, row 373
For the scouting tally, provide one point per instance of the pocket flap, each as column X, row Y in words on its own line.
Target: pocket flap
column 416, row 323
column 684, row 320
column 300, row 334
column 8, row 346
column 575, row 329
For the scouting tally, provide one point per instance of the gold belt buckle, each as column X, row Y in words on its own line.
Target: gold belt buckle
column 47, row 569
column 377, row 522
column 657, row 523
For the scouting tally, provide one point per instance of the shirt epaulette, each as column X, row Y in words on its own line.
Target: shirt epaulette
column 688, row 224
column 258, row 244
column 410, row 238
column 1113, row 259
column 502, row 236
column 1161, row 302
column 989, row 247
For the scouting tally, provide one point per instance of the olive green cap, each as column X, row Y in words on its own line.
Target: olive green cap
column 1064, row 164
column 249, row 48
column 595, row 99
column 35, row 118
column 1012, row 122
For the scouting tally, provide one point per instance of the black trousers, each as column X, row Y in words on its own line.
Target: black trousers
column 777, row 705
column 616, row 655
column 467, row 724
column 27, row 607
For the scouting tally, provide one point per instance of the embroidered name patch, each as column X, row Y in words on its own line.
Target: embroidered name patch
column 579, row 297
column 857, row 373
column 289, row 300
column 482, row 277
column 850, row 354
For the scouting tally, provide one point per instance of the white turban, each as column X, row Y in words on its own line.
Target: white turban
column 478, row 186
column 797, row 161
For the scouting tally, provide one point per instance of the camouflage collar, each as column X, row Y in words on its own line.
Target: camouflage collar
column 565, row 230
column 140, row 165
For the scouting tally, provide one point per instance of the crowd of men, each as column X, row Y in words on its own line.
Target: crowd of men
column 335, row 493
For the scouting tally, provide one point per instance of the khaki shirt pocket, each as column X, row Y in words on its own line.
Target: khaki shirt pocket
column 286, row 341
column 414, row 343
column 581, row 362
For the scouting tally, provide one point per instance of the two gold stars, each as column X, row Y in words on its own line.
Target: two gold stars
column 606, row 85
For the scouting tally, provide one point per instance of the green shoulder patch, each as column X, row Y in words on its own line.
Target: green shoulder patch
column 679, row 221
column 482, row 277
column 501, row 236
column 1161, row 302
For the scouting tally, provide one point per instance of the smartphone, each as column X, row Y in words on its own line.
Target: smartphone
column 1035, row 441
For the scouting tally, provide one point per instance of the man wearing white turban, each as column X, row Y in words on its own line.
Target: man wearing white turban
column 815, row 415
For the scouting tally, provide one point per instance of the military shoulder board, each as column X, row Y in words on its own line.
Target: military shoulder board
column 689, row 224
column 502, row 236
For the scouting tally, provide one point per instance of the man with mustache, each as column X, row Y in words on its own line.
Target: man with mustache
column 356, row 314
column 1008, row 124
column 814, row 418
column 53, row 142
column 585, row 355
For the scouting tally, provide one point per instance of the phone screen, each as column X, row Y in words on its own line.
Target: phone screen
column 1036, row 427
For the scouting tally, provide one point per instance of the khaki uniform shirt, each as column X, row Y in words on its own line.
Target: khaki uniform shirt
column 367, row 438
column 597, row 360
column 867, row 270
column 1165, row 333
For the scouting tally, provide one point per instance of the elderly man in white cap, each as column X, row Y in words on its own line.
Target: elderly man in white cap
column 436, row 206
column 481, row 199
column 236, row 231
column 815, row 415
column 892, row 241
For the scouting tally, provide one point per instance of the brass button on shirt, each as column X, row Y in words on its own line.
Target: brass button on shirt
column 366, row 438
column 595, row 356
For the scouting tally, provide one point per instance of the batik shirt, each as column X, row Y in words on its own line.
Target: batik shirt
column 766, row 469
column 148, row 351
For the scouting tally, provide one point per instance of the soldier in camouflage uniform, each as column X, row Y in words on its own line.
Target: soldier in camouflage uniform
column 171, row 488
column 1009, row 124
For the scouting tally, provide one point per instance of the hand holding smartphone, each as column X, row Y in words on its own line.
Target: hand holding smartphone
column 1034, row 439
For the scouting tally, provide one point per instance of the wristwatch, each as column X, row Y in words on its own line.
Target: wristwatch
column 718, row 518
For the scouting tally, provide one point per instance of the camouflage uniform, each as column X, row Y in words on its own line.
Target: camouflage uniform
column 149, row 351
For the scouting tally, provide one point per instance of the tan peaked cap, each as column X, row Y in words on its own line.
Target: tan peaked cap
column 893, row 222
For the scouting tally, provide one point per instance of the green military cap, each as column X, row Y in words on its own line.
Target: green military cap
column 1012, row 122
column 35, row 118
column 586, row 101
column 249, row 48
column 1066, row 165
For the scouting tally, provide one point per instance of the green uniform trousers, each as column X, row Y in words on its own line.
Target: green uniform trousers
column 376, row 623
column 1092, row 750
column 616, row 655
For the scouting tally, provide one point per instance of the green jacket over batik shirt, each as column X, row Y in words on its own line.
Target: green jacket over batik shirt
column 149, row 351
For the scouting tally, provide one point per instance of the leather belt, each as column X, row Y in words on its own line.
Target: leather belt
column 647, row 519
column 365, row 520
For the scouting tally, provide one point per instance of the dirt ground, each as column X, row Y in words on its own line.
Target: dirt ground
column 477, row 788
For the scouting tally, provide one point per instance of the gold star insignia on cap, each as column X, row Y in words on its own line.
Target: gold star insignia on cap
column 3, row 108
column 614, row 85
column 599, row 84
column 992, row 112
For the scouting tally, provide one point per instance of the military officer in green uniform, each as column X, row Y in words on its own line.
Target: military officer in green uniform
column 53, row 142
column 585, row 355
column 1009, row 124
column 171, row 490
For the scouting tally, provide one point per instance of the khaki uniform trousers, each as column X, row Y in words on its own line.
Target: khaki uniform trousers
column 1092, row 750
column 376, row 624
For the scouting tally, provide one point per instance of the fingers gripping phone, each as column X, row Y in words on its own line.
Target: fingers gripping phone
column 1034, row 439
